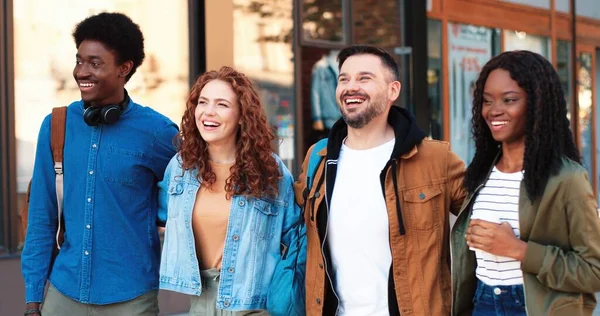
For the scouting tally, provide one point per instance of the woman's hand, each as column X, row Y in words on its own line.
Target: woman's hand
column 496, row 239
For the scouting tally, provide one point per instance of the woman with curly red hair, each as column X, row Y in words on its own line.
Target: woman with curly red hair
column 233, row 228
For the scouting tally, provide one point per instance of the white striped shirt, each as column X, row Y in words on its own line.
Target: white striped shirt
column 498, row 201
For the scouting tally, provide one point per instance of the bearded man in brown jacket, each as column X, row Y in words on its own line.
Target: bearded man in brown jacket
column 377, row 211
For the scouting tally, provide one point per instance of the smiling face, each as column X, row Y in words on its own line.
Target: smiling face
column 99, row 76
column 504, row 107
column 218, row 114
column 365, row 90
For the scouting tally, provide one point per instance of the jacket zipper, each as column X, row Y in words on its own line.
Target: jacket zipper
column 312, row 210
column 323, row 249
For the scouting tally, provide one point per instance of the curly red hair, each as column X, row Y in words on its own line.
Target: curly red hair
column 255, row 171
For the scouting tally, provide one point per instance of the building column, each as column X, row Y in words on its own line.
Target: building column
column 8, row 195
column 415, row 36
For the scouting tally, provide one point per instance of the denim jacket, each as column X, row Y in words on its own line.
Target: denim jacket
column 322, row 92
column 260, row 235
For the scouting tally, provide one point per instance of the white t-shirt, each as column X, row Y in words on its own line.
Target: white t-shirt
column 497, row 202
column 358, row 232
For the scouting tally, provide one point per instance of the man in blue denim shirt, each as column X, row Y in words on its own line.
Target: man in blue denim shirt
column 115, row 153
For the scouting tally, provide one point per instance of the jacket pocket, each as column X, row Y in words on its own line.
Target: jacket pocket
column 569, row 304
column 175, row 192
column 265, row 219
column 423, row 206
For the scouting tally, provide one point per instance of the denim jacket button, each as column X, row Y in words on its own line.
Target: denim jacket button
column 230, row 270
column 497, row 291
column 319, row 301
column 242, row 203
column 236, row 237
column 422, row 196
column 226, row 303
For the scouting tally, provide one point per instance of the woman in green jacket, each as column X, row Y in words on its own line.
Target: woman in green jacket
column 527, row 239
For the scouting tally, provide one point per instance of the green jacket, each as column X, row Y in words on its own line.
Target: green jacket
column 561, row 270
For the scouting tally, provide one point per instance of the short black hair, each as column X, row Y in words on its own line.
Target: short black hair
column 386, row 59
column 118, row 32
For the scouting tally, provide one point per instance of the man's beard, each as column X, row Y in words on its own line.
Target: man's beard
column 375, row 108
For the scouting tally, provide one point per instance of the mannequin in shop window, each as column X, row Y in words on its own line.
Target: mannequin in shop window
column 324, row 109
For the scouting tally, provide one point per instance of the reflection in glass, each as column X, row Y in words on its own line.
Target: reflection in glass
column 518, row 40
column 434, row 78
column 323, row 20
column 45, row 56
column 469, row 48
column 563, row 68
column 584, row 90
column 263, row 51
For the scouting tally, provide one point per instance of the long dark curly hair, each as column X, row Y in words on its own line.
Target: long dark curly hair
column 255, row 171
column 547, row 135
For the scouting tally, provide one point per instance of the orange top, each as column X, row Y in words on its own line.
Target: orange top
column 210, row 218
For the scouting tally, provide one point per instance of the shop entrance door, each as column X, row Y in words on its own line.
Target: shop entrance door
column 586, row 100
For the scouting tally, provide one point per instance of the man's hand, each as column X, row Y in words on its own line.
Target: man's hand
column 496, row 239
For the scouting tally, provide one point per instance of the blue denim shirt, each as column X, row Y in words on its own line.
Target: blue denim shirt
column 260, row 233
column 111, row 248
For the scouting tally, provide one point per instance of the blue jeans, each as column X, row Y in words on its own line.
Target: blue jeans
column 499, row 300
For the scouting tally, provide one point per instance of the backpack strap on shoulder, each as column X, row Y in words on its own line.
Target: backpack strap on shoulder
column 313, row 162
column 57, row 136
column 57, row 143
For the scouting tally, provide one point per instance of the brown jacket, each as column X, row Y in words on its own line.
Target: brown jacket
column 428, row 185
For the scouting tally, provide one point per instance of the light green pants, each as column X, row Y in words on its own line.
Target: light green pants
column 57, row 304
column 206, row 303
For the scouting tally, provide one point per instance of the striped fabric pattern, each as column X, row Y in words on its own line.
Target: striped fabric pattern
column 498, row 201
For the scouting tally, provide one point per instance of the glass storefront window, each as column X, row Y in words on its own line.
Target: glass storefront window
column 263, row 51
column 585, row 101
column 323, row 21
column 434, row 78
column 518, row 40
column 588, row 8
column 45, row 55
column 562, row 5
column 563, row 68
column 542, row 4
column 469, row 48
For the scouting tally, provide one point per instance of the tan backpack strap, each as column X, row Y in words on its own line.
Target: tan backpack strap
column 57, row 130
column 57, row 142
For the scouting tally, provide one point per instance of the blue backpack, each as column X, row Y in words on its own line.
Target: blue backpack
column 313, row 162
